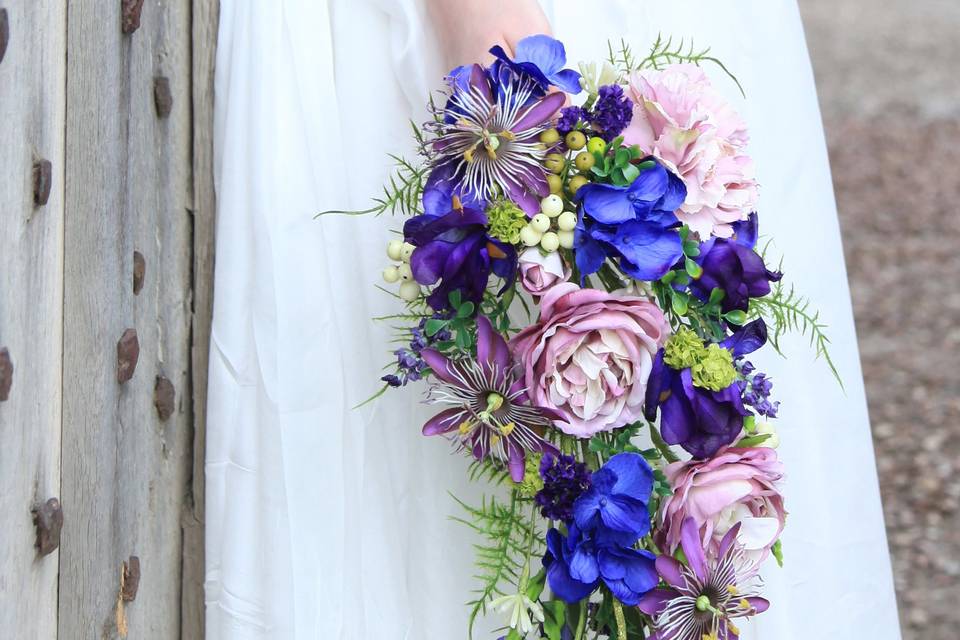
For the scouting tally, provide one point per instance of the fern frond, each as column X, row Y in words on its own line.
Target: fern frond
column 784, row 310
column 508, row 538
column 664, row 52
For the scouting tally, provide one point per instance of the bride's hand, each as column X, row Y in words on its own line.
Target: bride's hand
column 468, row 28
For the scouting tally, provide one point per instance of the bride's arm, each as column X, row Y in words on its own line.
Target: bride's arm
column 466, row 29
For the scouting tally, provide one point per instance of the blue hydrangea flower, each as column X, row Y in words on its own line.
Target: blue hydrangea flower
column 542, row 58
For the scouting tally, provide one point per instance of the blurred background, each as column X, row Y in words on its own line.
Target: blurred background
column 889, row 89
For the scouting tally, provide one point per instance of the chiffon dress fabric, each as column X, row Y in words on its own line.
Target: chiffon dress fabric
column 328, row 522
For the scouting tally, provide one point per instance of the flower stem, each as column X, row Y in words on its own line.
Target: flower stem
column 581, row 621
column 621, row 621
column 662, row 446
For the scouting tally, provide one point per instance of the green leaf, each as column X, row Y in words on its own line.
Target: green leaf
column 630, row 173
column 692, row 268
column 535, row 585
column 736, row 317
column 752, row 441
column 454, row 298
column 716, row 296
column 465, row 310
column 680, row 303
column 554, row 618
column 434, row 326
column 622, row 157
column 777, row 551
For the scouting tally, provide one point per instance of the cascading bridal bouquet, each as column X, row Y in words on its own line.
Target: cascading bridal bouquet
column 625, row 225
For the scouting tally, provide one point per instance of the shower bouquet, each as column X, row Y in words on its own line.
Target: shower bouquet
column 582, row 279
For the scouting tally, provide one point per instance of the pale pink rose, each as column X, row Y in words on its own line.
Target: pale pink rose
column 539, row 273
column 589, row 356
column 738, row 485
column 679, row 118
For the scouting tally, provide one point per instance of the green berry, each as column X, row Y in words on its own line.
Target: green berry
column 554, row 162
column 550, row 137
column 584, row 161
column 576, row 140
column 576, row 182
column 597, row 145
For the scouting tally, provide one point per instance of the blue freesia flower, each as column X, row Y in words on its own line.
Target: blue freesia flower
column 635, row 224
column 541, row 58
column 608, row 520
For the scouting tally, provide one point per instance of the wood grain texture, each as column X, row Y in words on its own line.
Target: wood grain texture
column 128, row 176
column 205, row 23
column 31, row 289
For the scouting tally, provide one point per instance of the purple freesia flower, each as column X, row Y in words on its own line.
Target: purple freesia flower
column 486, row 139
column 700, row 420
column 733, row 266
column 635, row 224
column 564, row 480
column 455, row 249
column 612, row 112
column 541, row 58
column 702, row 598
column 490, row 414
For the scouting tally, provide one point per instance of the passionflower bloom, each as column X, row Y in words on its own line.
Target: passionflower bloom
column 539, row 273
column 608, row 519
column 679, row 118
column 589, row 355
column 703, row 597
column 634, row 224
column 489, row 414
column 696, row 390
column 738, row 486
column 486, row 138
column 733, row 266
column 456, row 250
column 541, row 58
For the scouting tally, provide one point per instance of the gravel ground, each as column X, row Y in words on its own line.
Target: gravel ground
column 890, row 94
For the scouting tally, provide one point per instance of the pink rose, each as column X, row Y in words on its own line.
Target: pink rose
column 735, row 486
column 538, row 272
column 679, row 118
column 589, row 356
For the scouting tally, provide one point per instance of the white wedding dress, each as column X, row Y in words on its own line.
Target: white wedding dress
column 327, row 523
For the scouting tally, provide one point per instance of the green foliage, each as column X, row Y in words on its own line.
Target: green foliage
column 777, row 551
column 489, row 470
column 554, row 618
column 664, row 52
column 609, row 443
column 784, row 310
column 615, row 166
column 510, row 538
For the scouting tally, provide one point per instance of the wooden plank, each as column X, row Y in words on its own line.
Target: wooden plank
column 127, row 189
column 31, row 306
column 205, row 22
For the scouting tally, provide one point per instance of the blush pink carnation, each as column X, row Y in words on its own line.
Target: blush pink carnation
column 737, row 486
column 679, row 118
column 589, row 356
column 539, row 273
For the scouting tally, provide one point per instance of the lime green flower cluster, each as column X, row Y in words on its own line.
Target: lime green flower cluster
column 711, row 366
column 532, row 482
column 505, row 220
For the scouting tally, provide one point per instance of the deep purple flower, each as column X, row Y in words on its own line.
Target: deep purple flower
column 540, row 58
column 490, row 414
column 635, row 224
column 702, row 598
column 564, row 480
column 576, row 564
column 698, row 419
column 455, row 249
column 410, row 365
column 486, row 139
column 733, row 266
column 756, row 388
column 569, row 118
column 612, row 112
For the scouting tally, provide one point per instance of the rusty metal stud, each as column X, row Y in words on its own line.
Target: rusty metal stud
column 6, row 374
column 162, row 98
column 4, row 32
column 42, row 181
column 128, row 352
column 130, row 15
column 131, row 579
column 48, row 518
column 139, row 271
column 163, row 398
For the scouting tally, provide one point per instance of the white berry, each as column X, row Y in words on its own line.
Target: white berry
column 540, row 223
column 391, row 274
column 552, row 205
column 394, row 247
column 567, row 221
column 406, row 251
column 550, row 242
column 404, row 272
column 409, row 291
column 566, row 239
column 530, row 236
